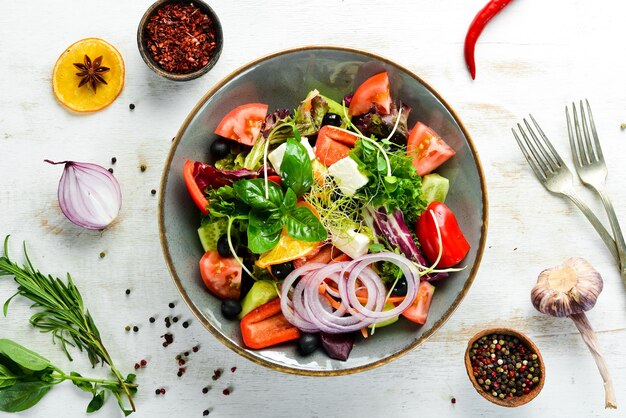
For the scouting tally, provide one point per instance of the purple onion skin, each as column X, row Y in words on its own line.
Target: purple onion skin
column 337, row 346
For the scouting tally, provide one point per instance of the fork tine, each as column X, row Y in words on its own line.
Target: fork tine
column 572, row 142
column 541, row 163
column 596, row 141
column 584, row 158
column 588, row 147
column 550, row 162
column 538, row 172
column 555, row 155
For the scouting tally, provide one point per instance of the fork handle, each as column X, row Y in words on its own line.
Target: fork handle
column 593, row 219
column 617, row 231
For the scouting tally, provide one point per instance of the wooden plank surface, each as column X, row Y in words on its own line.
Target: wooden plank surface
column 537, row 56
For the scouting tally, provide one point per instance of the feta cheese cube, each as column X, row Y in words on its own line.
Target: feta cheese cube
column 351, row 242
column 276, row 156
column 347, row 176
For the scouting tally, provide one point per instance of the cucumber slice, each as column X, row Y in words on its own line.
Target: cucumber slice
column 262, row 291
column 434, row 188
column 210, row 232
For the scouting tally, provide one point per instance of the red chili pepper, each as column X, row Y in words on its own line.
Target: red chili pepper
column 478, row 24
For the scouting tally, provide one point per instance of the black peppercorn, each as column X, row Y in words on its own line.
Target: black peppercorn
column 152, row 320
column 171, row 305
column 131, row 106
column 113, row 160
column 111, row 170
column 128, row 291
column 135, row 328
column 185, row 324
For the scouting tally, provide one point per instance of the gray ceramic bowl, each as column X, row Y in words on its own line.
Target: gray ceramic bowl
column 282, row 80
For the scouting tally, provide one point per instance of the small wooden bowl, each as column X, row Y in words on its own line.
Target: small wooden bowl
column 516, row 400
column 147, row 56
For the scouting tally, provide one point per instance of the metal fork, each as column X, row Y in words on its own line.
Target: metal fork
column 555, row 176
column 591, row 168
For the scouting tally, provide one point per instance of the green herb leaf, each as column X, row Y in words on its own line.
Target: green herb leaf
column 25, row 358
column 7, row 378
column 252, row 192
column 290, row 201
column 302, row 224
column 264, row 231
column 22, row 395
column 84, row 386
column 96, row 402
column 295, row 169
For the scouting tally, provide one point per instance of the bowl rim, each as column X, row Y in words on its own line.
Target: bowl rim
column 241, row 351
column 154, row 66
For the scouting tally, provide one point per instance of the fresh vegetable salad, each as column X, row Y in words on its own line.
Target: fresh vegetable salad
column 324, row 224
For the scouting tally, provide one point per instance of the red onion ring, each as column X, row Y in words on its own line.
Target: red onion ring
column 305, row 308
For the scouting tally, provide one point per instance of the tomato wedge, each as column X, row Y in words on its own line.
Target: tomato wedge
column 266, row 326
column 418, row 311
column 333, row 144
column 427, row 149
column 454, row 245
column 196, row 194
column 221, row 275
column 374, row 90
column 243, row 124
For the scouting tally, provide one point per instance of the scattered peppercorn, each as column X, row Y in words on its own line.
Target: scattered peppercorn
column 195, row 348
column 186, row 324
column 137, row 366
column 158, row 391
column 169, row 339
column 453, row 400
column 175, row 319
column 216, row 374
column 233, row 369
column 205, row 412
column 127, row 328
column 623, row 126
column 181, row 362
column 501, row 366
column 135, row 328
column 128, row 291
column 186, row 353
column 205, row 389
column 131, row 106
column 152, row 319
column 143, row 167
column 111, row 170
column 226, row 391
column 102, row 254
column 162, row 391
column 143, row 363
column 153, row 191
column 171, row 305
column 179, row 373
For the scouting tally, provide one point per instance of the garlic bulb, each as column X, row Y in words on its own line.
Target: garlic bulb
column 570, row 290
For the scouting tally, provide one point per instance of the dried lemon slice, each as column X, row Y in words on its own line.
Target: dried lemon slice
column 86, row 98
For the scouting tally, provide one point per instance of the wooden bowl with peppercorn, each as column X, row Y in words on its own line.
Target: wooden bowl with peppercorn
column 505, row 366
column 180, row 40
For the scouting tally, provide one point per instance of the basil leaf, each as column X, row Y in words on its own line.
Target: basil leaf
column 7, row 378
column 96, row 402
column 84, row 386
column 224, row 202
column 302, row 224
column 295, row 170
column 264, row 231
column 25, row 358
column 290, row 201
column 22, row 395
column 253, row 193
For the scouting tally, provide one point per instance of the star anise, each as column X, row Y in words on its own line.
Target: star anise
column 91, row 72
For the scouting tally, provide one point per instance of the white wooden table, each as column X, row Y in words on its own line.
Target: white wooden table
column 537, row 56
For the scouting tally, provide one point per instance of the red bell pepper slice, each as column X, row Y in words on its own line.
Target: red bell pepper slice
column 266, row 326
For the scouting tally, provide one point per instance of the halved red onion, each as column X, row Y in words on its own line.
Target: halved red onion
column 89, row 195
column 306, row 309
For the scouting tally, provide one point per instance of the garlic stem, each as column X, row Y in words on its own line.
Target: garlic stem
column 584, row 327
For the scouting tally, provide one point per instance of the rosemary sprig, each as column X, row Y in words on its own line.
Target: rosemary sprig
column 61, row 312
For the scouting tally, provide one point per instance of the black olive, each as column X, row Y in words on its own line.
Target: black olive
column 230, row 308
column 398, row 139
column 281, row 271
column 222, row 246
column 308, row 343
column 220, row 148
column 400, row 287
column 332, row 119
